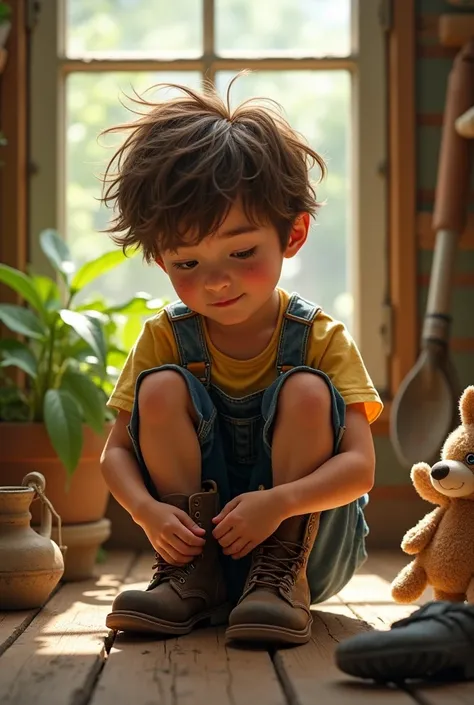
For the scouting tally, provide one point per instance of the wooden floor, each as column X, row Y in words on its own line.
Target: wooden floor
column 63, row 654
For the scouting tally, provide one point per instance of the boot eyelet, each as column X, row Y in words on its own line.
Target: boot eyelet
column 197, row 514
column 199, row 524
column 182, row 580
column 196, row 503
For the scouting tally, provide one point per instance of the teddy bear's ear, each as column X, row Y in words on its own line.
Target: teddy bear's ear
column 466, row 406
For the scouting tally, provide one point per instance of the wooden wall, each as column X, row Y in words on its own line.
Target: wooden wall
column 13, row 124
column 395, row 506
column 432, row 68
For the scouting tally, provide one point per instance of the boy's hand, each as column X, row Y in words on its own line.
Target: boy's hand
column 172, row 533
column 246, row 521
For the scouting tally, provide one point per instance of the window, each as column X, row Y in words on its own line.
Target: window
column 322, row 60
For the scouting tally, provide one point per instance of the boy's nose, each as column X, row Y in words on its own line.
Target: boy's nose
column 217, row 282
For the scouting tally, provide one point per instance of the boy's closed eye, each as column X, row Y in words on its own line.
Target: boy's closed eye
column 245, row 254
column 185, row 265
column 192, row 264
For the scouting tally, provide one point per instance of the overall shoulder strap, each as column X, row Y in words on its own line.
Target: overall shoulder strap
column 190, row 340
column 296, row 328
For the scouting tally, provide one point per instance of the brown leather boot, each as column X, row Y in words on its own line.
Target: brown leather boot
column 177, row 598
column 274, row 606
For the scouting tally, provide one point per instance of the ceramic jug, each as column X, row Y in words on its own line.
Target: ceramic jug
column 31, row 564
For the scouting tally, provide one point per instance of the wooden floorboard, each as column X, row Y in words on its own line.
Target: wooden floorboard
column 56, row 659
column 368, row 593
column 196, row 669
column 64, row 655
column 12, row 624
column 310, row 675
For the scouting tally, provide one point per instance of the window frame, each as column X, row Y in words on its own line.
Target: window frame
column 371, row 220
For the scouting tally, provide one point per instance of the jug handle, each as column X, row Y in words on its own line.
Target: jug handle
column 37, row 482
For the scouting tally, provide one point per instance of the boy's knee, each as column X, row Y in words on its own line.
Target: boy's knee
column 305, row 395
column 162, row 393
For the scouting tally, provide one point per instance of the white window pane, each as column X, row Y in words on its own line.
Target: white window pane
column 294, row 27
column 317, row 104
column 92, row 102
column 133, row 27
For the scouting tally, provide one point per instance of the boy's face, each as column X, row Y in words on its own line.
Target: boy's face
column 230, row 275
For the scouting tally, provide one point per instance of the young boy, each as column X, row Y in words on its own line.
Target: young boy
column 242, row 445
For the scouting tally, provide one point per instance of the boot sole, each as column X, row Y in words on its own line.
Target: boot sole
column 128, row 621
column 397, row 665
column 267, row 633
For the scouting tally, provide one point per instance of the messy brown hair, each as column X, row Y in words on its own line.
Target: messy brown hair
column 187, row 159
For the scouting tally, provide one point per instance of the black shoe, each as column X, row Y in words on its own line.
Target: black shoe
column 436, row 642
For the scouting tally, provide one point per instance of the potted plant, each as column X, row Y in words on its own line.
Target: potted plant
column 54, row 383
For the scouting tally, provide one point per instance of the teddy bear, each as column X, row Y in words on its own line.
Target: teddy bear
column 443, row 541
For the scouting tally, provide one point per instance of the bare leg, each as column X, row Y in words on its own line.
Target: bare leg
column 167, row 434
column 449, row 596
column 303, row 438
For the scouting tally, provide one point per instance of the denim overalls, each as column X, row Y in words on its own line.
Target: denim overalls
column 235, row 440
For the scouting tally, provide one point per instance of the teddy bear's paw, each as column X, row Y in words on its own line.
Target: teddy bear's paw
column 413, row 542
column 410, row 583
column 421, row 477
column 420, row 472
column 419, row 536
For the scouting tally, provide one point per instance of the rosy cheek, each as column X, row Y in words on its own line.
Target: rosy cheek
column 257, row 272
column 185, row 285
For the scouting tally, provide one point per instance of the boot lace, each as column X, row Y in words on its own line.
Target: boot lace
column 165, row 571
column 270, row 568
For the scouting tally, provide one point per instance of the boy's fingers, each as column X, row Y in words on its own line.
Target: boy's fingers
column 221, row 529
column 173, row 557
column 228, row 538
column 186, row 551
column 188, row 538
column 226, row 510
column 246, row 549
column 197, row 532
column 236, row 546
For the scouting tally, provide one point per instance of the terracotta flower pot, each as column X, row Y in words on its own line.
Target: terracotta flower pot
column 26, row 447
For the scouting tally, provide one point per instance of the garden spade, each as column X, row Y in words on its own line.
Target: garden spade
column 425, row 407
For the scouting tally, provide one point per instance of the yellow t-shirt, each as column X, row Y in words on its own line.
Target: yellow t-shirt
column 330, row 349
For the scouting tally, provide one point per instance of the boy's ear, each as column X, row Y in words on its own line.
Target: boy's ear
column 298, row 235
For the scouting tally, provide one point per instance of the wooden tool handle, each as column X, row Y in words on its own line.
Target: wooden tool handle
column 454, row 166
column 455, row 30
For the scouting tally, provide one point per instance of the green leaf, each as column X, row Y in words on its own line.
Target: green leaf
column 87, row 328
column 88, row 396
column 57, row 251
column 91, row 270
column 63, row 420
column 22, row 284
column 48, row 291
column 116, row 357
column 95, row 304
column 141, row 304
column 14, row 353
column 21, row 320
